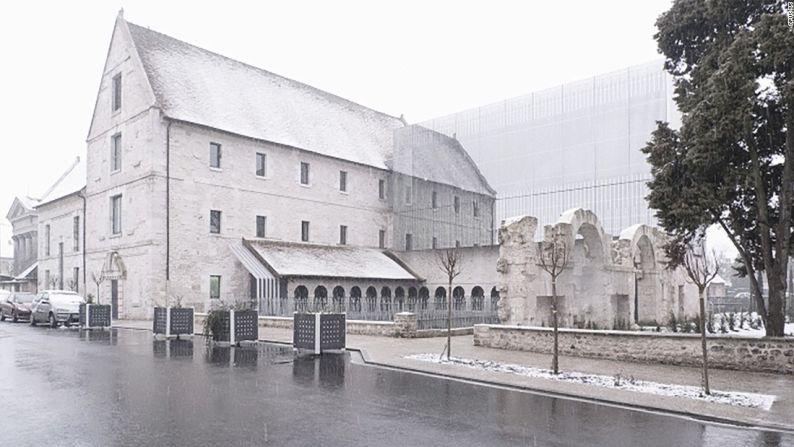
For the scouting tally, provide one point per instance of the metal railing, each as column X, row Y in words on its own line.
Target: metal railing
column 431, row 313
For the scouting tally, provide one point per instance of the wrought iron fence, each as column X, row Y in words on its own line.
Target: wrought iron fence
column 431, row 313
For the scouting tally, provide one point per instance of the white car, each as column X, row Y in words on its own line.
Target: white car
column 56, row 307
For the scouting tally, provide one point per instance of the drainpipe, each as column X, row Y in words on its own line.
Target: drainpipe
column 167, row 209
column 85, row 284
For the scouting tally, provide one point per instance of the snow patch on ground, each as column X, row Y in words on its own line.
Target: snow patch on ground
column 751, row 400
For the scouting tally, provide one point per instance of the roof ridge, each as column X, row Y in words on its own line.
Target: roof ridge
column 270, row 73
column 60, row 179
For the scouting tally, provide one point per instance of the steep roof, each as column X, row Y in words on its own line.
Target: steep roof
column 198, row 86
column 72, row 181
column 298, row 259
column 431, row 155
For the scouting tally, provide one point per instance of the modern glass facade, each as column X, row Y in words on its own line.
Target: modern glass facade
column 575, row 145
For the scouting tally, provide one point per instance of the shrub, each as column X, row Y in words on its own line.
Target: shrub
column 732, row 321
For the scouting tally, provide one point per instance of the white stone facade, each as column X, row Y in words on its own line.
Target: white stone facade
column 61, row 256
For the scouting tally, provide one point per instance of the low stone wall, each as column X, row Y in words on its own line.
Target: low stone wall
column 429, row 333
column 775, row 355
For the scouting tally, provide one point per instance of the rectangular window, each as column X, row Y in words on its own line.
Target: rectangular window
column 115, row 152
column 76, row 279
column 76, row 233
column 408, row 194
column 343, row 181
column 382, row 189
column 215, row 155
column 46, row 240
column 457, row 244
column 434, row 200
column 46, row 279
column 382, row 238
column 115, row 214
column 261, row 165
column 435, row 242
column 215, row 221
column 456, row 204
column 116, row 92
column 215, row 287
column 476, row 208
column 409, row 241
column 304, row 173
column 305, row 230
column 342, row 234
column 260, row 226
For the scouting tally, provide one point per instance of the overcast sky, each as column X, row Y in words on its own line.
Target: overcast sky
column 418, row 58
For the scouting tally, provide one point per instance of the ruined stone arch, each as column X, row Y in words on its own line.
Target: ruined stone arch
column 477, row 298
column 642, row 239
column 646, row 293
column 320, row 297
column 440, row 297
column 399, row 299
column 355, row 299
column 580, row 222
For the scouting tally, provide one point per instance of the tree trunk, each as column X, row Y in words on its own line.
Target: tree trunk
column 702, row 293
column 554, row 359
column 449, row 319
column 776, row 321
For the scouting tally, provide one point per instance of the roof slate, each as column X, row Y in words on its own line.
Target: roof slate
column 296, row 259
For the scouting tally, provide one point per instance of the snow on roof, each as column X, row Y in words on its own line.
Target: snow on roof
column 71, row 181
column 198, row 86
column 296, row 259
column 28, row 271
column 431, row 155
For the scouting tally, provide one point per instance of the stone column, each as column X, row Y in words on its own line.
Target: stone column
column 405, row 323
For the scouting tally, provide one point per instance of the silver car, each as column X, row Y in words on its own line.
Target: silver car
column 56, row 307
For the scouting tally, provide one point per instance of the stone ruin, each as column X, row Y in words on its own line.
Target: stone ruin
column 609, row 283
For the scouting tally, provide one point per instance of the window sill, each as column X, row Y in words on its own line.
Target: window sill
column 263, row 177
column 344, row 192
column 215, row 234
column 216, row 169
column 115, row 172
column 306, row 185
column 114, row 236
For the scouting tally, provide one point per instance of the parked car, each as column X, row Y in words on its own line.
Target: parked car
column 56, row 307
column 16, row 306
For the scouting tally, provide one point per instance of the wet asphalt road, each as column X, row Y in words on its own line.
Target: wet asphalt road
column 123, row 388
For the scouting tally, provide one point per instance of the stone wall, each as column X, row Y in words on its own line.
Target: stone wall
column 775, row 355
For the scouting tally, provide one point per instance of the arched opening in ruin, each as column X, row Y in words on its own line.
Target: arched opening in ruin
column 320, row 298
column 385, row 299
column 412, row 298
column 458, row 298
column 645, row 282
column 355, row 299
column 301, row 295
column 399, row 299
column 371, row 299
column 494, row 299
column 424, row 298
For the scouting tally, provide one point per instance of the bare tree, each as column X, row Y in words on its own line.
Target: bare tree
column 554, row 256
column 701, row 267
column 54, row 282
column 449, row 262
column 98, row 280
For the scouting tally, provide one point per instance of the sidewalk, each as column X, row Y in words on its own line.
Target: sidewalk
column 389, row 352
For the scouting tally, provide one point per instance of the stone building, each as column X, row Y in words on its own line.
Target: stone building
column 189, row 152
column 608, row 283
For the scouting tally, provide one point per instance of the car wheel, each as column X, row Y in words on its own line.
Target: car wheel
column 53, row 322
column 15, row 317
column 32, row 319
column 67, row 323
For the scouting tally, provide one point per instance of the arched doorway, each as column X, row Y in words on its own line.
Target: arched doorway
column 440, row 298
column 459, row 298
column 355, row 299
column 399, row 299
column 320, row 298
column 477, row 298
column 301, row 295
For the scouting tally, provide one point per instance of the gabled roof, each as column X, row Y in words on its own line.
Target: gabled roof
column 72, row 181
column 198, row 86
column 21, row 205
column 326, row 261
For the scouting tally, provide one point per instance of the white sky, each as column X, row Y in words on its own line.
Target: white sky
column 418, row 58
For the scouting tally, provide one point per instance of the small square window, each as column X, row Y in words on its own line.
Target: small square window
column 382, row 189
column 457, row 204
column 305, row 230
column 343, row 181
column 115, row 152
column 382, row 238
column 215, row 221
column 261, row 165
column 215, row 155
column 304, row 173
column 116, row 92
column 215, row 287
column 342, row 234
column 260, row 226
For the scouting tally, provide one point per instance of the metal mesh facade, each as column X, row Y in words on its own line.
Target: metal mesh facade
column 575, row 145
